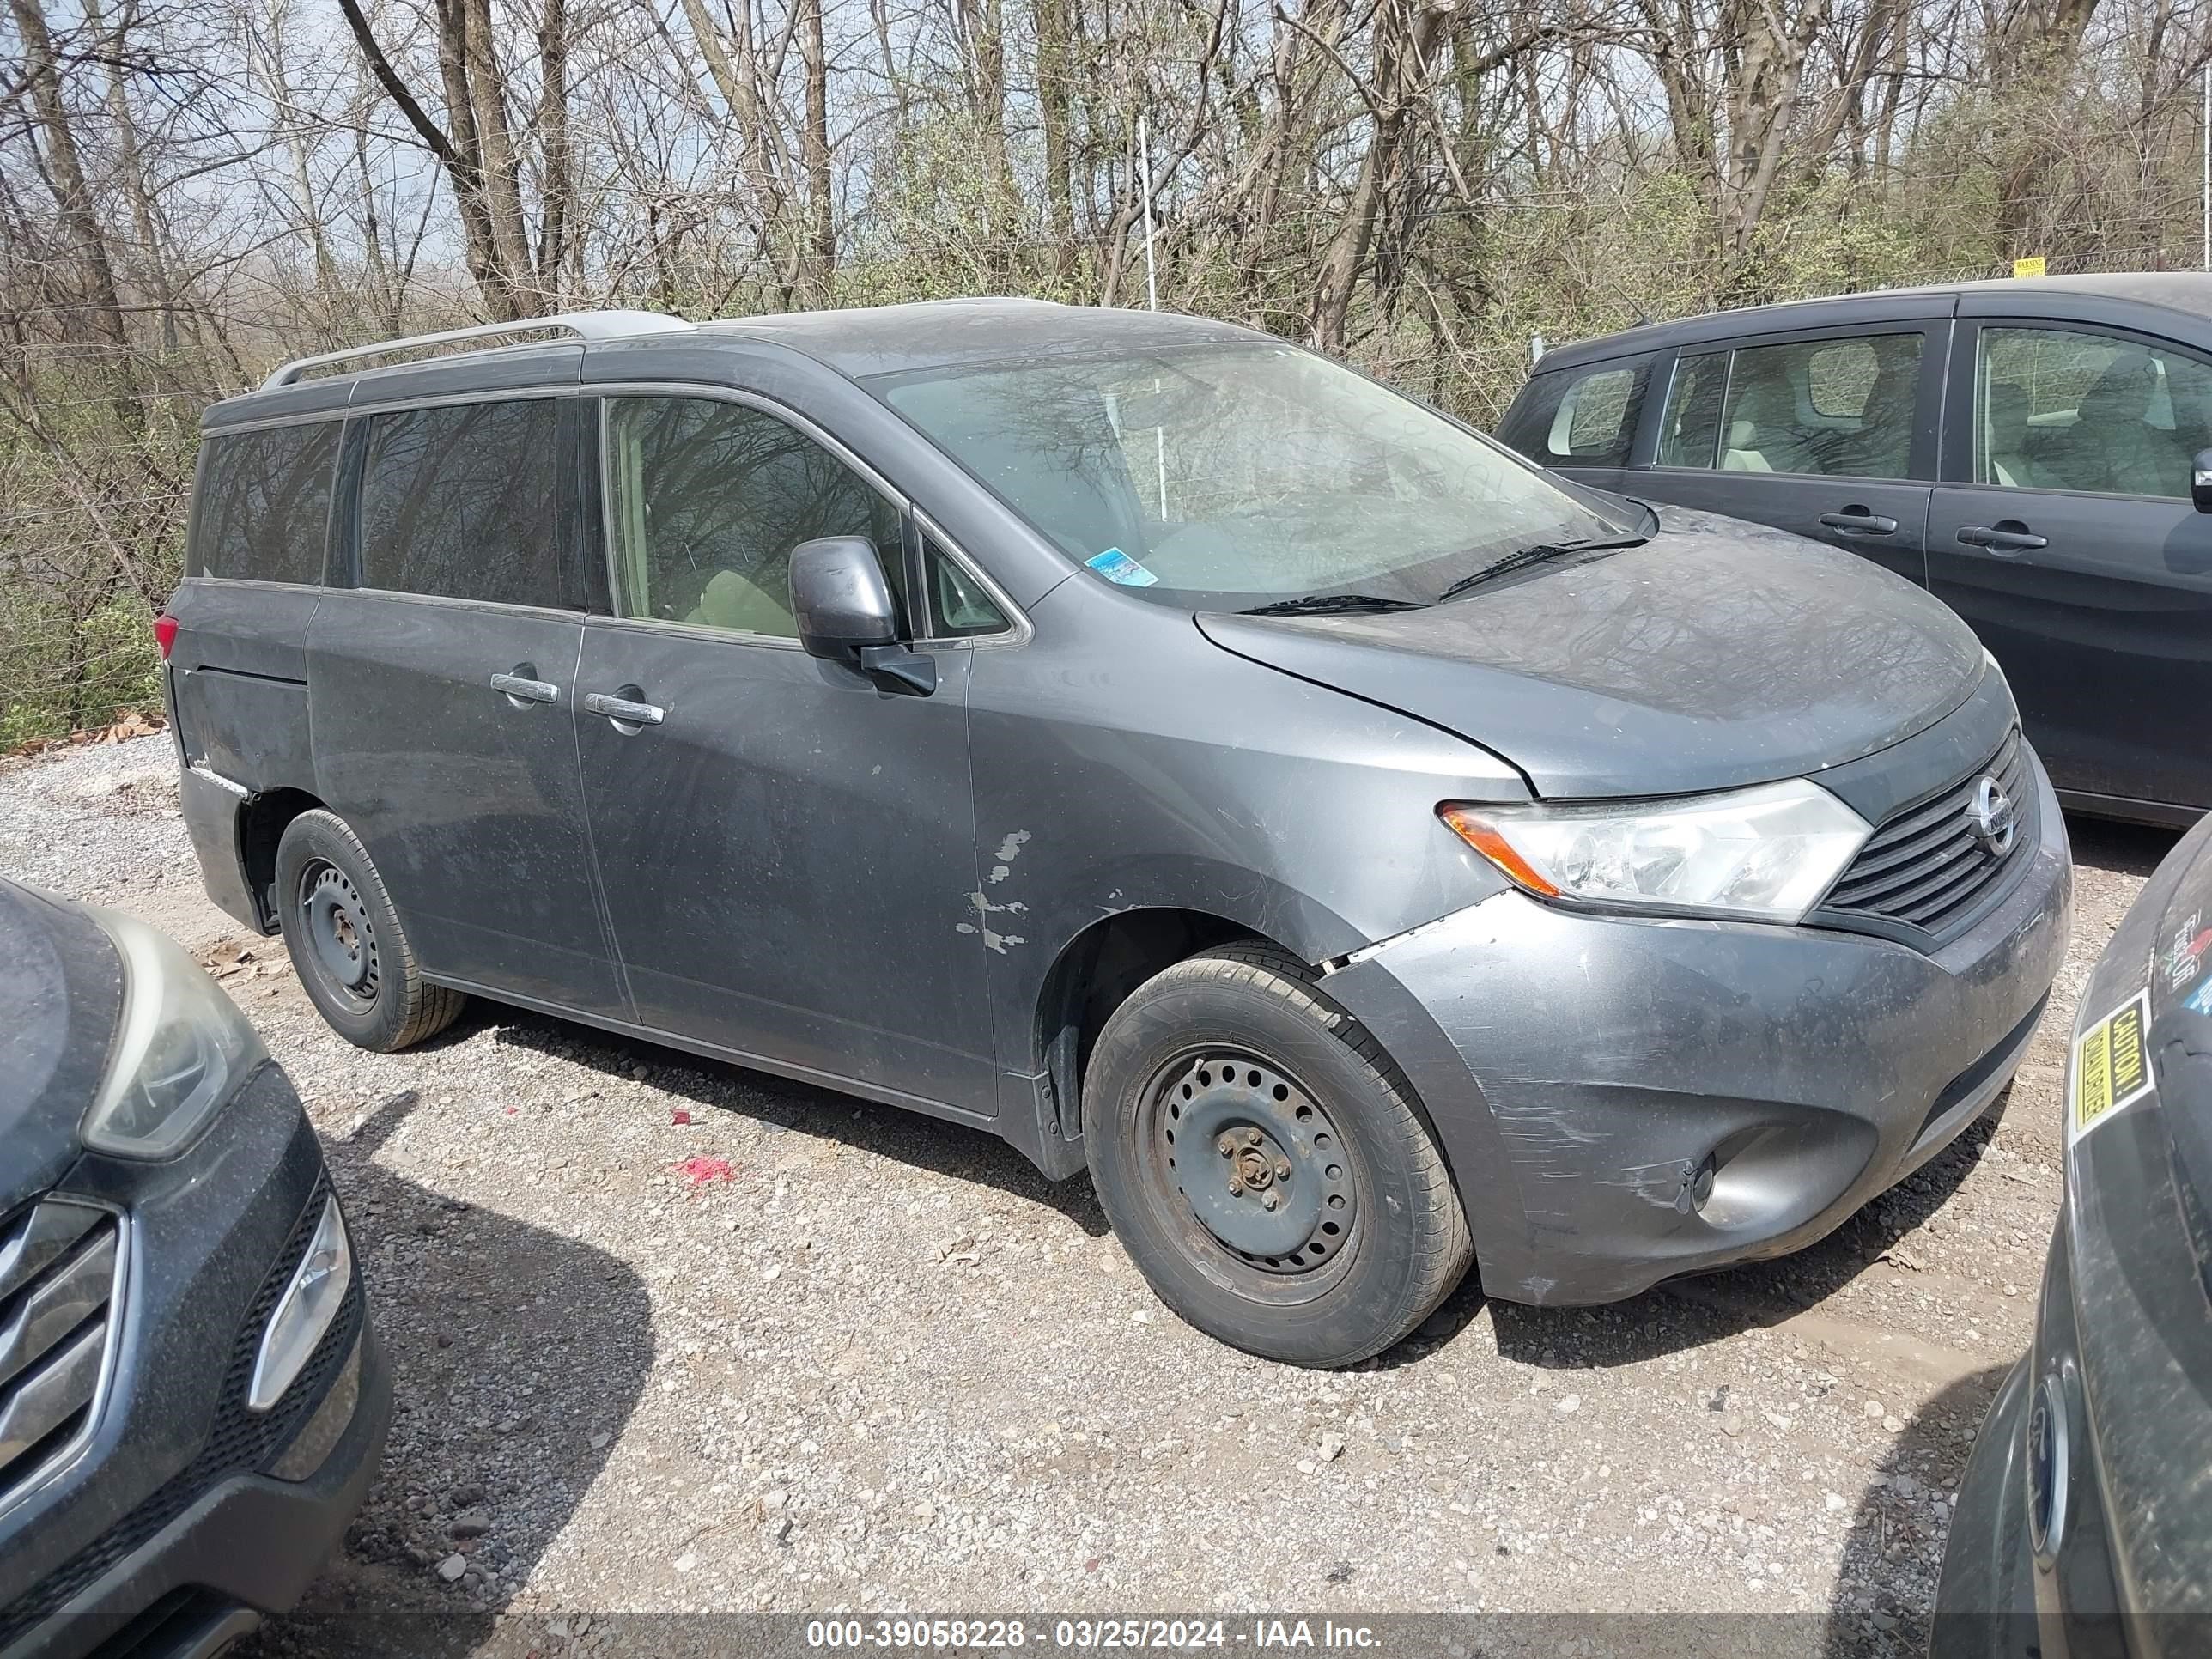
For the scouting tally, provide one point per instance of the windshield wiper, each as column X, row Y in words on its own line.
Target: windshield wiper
column 1321, row 604
column 1535, row 555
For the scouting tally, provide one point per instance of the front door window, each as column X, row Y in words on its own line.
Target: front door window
column 2068, row 408
column 708, row 499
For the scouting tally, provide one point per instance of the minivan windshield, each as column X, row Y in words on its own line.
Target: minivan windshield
column 1221, row 477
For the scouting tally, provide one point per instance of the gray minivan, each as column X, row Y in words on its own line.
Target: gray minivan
column 1142, row 739
column 2032, row 452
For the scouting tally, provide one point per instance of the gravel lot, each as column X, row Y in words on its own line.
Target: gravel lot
column 880, row 1365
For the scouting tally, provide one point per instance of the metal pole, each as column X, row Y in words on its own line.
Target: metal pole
column 1152, row 275
column 2207, row 125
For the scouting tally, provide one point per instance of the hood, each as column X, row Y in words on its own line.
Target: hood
column 1717, row 655
column 61, row 982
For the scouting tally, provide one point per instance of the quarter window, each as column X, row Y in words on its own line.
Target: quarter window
column 264, row 503
column 1840, row 407
column 2065, row 409
column 1586, row 419
column 708, row 499
column 958, row 604
column 460, row 501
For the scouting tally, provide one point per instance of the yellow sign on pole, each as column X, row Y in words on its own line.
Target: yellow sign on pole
column 2029, row 267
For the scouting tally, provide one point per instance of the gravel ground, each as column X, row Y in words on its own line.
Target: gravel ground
column 856, row 1359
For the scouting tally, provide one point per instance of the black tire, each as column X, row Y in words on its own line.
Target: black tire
column 1240, row 1041
column 346, row 943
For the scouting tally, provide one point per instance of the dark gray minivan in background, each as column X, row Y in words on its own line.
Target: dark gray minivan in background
column 2026, row 450
column 1142, row 739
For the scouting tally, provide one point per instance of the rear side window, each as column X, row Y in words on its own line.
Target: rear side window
column 708, row 500
column 1834, row 406
column 1690, row 428
column 459, row 501
column 264, row 503
column 1578, row 417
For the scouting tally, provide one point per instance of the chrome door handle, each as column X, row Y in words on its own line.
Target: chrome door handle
column 622, row 711
column 524, row 691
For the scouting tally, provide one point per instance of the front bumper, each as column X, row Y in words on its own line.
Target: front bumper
column 1985, row 1601
column 1582, row 1069
column 184, row 1503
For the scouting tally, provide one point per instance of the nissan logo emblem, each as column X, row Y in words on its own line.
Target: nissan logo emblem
column 1991, row 817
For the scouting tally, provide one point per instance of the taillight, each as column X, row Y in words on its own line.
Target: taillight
column 165, row 633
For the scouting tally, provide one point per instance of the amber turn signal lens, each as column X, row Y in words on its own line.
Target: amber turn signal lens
column 1477, row 831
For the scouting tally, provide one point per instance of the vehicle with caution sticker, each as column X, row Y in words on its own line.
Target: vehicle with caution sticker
column 2084, row 1521
column 1366, row 854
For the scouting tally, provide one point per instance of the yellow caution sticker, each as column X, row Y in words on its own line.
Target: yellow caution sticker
column 2111, row 1066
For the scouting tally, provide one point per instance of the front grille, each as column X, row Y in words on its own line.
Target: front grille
column 57, row 1291
column 241, row 1441
column 1924, row 876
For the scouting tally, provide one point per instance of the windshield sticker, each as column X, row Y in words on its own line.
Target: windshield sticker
column 2111, row 1066
column 2200, row 999
column 1115, row 566
column 2184, row 954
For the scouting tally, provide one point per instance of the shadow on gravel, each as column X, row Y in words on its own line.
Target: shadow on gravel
column 1885, row 1590
column 2126, row 849
column 1688, row 1313
column 518, row 1356
column 940, row 1146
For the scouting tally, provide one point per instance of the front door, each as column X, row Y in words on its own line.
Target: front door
column 2070, row 547
column 1831, row 436
column 788, row 852
column 440, row 694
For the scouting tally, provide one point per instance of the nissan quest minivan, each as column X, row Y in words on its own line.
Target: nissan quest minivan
column 1368, row 853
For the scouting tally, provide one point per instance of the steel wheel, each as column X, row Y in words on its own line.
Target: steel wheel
column 1253, row 1173
column 342, row 939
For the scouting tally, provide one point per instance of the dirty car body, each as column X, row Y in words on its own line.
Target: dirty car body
column 940, row 900
column 191, row 1402
column 2082, row 1524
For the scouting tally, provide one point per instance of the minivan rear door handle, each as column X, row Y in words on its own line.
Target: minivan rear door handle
column 623, row 711
column 521, row 690
column 1858, row 521
column 2004, row 538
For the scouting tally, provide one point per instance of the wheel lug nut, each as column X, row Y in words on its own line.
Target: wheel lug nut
column 1228, row 1146
column 1251, row 1136
column 1236, row 1187
column 1272, row 1201
column 1282, row 1169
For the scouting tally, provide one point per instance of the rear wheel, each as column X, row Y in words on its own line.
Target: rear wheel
column 1262, row 1161
column 346, row 943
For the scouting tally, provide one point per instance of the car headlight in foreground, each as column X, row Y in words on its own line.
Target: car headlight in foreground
column 1765, row 854
column 180, row 1047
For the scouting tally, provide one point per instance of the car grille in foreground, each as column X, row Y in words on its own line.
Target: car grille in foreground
column 239, row 1442
column 1926, row 874
column 57, row 1289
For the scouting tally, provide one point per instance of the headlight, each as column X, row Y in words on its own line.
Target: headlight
column 182, row 1047
column 1767, row 854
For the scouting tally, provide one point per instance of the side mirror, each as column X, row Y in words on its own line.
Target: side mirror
column 843, row 609
column 2200, row 481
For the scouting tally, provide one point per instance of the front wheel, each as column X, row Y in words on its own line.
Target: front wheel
column 1261, row 1160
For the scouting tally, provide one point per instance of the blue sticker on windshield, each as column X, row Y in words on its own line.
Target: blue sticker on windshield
column 1115, row 566
column 2200, row 999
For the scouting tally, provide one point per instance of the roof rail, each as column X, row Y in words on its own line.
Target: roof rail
column 584, row 325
